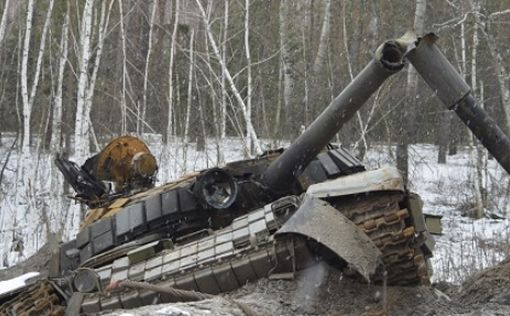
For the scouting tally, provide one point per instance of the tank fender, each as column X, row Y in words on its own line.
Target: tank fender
column 382, row 179
column 319, row 221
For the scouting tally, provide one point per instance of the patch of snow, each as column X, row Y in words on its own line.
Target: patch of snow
column 172, row 311
column 16, row 283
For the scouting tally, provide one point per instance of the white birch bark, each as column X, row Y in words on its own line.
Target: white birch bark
column 3, row 21
column 249, row 86
column 140, row 125
column 86, row 83
column 190, row 87
column 81, row 133
column 24, row 79
column 249, row 126
column 288, row 79
column 223, row 111
column 167, row 155
column 56, row 210
column 22, row 187
column 475, row 150
column 324, row 38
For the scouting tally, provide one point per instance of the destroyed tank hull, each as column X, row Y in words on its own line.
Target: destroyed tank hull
column 268, row 242
column 213, row 231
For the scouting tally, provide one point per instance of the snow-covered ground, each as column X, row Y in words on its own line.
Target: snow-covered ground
column 467, row 245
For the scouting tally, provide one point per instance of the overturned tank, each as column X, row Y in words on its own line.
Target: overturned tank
column 213, row 231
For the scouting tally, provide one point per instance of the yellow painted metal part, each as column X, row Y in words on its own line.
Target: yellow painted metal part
column 123, row 159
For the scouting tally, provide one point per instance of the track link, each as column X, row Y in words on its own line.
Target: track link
column 38, row 299
column 390, row 227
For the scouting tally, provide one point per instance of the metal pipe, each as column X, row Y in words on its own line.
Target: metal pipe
column 453, row 91
column 282, row 172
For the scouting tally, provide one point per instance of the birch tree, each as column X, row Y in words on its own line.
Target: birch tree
column 28, row 95
column 190, row 88
column 86, row 83
column 170, row 98
column 223, row 111
column 287, row 60
column 3, row 21
column 140, row 125
column 173, row 40
column 476, row 151
column 412, row 79
column 82, row 132
column 249, row 86
column 56, row 205
column 247, row 119
column 503, row 74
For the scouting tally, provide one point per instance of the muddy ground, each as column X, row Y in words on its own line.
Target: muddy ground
column 325, row 291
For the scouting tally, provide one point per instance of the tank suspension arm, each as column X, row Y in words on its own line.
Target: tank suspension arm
column 282, row 172
column 456, row 95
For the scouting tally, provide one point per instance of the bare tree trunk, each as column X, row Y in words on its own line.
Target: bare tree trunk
column 242, row 104
column 140, row 125
column 362, row 152
column 82, row 122
column 321, row 55
column 217, row 110
column 190, row 87
column 249, row 86
column 288, row 76
column 86, row 84
column 476, row 156
column 3, row 21
column 56, row 209
column 25, row 143
column 169, row 135
column 123, row 105
column 503, row 74
column 408, row 119
column 223, row 124
column 170, row 126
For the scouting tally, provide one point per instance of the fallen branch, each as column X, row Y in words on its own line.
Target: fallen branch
column 177, row 294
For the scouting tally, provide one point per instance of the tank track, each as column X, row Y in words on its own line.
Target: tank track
column 38, row 299
column 385, row 218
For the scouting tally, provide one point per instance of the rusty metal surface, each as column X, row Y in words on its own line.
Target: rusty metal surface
column 318, row 220
column 383, row 179
column 39, row 299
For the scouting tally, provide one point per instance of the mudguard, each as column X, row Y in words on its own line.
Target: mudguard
column 318, row 220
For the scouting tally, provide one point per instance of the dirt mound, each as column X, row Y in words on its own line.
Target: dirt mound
column 323, row 290
column 490, row 285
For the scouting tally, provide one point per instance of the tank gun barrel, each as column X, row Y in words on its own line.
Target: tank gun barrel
column 456, row 95
column 282, row 172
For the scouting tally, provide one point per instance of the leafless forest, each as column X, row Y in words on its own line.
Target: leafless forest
column 76, row 73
